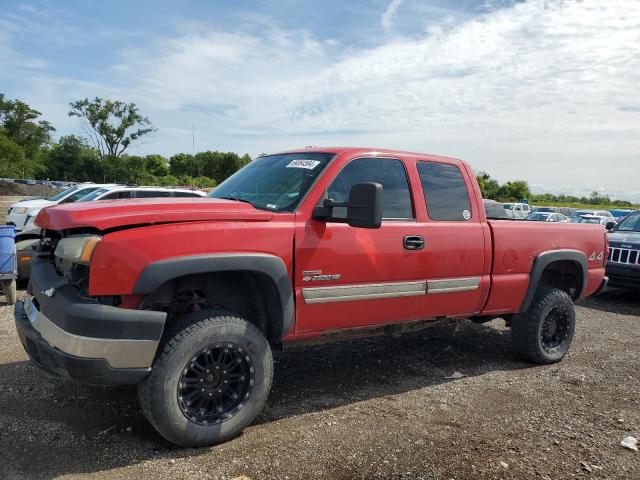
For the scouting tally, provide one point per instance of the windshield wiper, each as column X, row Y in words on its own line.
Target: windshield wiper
column 236, row 198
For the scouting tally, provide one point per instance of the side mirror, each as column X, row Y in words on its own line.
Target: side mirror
column 364, row 207
column 610, row 225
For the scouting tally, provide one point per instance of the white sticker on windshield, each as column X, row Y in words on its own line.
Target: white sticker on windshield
column 466, row 214
column 301, row 163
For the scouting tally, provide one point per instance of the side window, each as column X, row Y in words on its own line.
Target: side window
column 389, row 172
column 116, row 195
column 185, row 194
column 445, row 192
column 152, row 194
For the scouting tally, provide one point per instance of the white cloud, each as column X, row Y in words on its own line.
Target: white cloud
column 387, row 16
column 545, row 90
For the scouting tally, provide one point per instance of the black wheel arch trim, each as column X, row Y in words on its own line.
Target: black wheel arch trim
column 543, row 260
column 157, row 273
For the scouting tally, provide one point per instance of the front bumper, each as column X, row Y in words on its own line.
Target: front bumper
column 624, row 276
column 83, row 340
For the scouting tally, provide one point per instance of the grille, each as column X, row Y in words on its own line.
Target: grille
column 625, row 256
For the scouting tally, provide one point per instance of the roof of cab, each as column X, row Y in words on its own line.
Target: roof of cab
column 369, row 151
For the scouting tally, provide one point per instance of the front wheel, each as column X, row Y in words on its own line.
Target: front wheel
column 210, row 380
column 543, row 334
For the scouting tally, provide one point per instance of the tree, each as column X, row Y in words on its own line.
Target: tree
column 12, row 161
column 73, row 159
column 111, row 125
column 489, row 186
column 21, row 125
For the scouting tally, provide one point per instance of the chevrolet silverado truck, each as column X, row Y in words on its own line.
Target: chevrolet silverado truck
column 187, row 297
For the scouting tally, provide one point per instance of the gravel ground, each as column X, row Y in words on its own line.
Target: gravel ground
column 378, row 408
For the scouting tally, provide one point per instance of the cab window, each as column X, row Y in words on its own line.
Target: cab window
column 389, row 172
column 445, row 191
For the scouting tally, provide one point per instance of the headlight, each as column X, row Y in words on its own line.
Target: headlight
column 77, row 249
column 20, row 210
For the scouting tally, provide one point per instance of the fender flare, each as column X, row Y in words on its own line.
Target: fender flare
column 543, row 260
column 157, row 273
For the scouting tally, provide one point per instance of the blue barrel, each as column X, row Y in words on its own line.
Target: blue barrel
column 7, row 250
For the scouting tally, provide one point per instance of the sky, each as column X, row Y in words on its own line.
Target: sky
column 542, row 90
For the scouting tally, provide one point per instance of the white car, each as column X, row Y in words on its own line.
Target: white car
column 517, row 210
column 20, row 213
column 114, row 192
column 547, row 217
column 124, row 192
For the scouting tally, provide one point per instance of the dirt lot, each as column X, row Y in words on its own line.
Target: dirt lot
column 378, row 408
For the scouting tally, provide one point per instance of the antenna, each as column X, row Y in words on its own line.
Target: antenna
column 193, row 138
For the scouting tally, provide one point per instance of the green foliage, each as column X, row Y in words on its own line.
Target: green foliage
column 12, row 161
column 216, row 165
column 73, row 160
column 111, row 125
column 21, row 127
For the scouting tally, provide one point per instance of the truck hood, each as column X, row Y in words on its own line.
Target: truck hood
column 631, row 238
column 104, row 215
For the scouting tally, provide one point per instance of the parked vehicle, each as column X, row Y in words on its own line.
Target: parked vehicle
column 596, row 213
column 545, row 209
column 623, row 263
column 594, row 220
column 620, row 213
column 8, row 268
column 495, row 210
column 31, row 233
column 547, row 217
column 187, row 297
column 20, row 213
column 517, row 210
column 120, row 192
column 25, row 181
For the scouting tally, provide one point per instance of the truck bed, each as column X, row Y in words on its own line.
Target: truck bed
column 517, row 243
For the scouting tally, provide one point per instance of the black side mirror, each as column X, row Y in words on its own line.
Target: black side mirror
column 610, row 225
column 364, row 207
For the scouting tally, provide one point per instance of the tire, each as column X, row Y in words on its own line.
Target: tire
column 213, row 338
column 543, row 334
column 10, row 292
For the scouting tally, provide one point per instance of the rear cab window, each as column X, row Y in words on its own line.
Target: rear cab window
column 445, row 191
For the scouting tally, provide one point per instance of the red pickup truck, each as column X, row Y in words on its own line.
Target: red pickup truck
column 188, row 297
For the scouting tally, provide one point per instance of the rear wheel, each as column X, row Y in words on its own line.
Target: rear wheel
column 544, row 333
column 210, row 380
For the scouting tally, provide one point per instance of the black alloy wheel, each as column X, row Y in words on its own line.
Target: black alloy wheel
column 215, row 383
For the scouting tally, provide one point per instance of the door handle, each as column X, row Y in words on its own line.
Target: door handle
column 413, row 242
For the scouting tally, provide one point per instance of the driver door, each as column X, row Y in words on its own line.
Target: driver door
column 350, row 277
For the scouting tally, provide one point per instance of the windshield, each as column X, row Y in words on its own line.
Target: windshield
column 540, row 217
column 508, row 206
column 631, row 223
column 61, row 194
column 275, row 182
column 93, row 195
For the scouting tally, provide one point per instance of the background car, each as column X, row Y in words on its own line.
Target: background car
column 517, row 210
column 20, row 213
column 620, row 213
column 120, row 192
column 547, row 217
column 31, row 233
column 623, row 263
column 598, row 213
column 606, row 222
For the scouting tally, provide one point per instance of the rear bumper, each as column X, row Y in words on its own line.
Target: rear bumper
column 81, row 339
column 624, row 276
